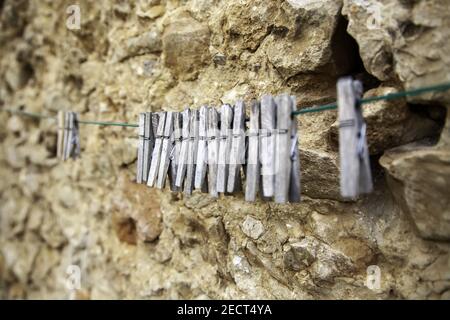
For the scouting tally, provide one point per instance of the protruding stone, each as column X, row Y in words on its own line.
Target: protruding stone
column 185, row 45
column 298, row 256
column 122, row 8
column 320, row 174
column 152, row 13
column 402, row 40
column 148, row 42
column 295, row 36
column 219, row 59
column 252, row 227
column 134, row 202
column 419, row 177
column 439, row 270
column 301, row 41
column 323, row 261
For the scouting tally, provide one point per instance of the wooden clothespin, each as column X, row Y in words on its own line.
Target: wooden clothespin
column 202, row 151
column 140, row 153
column 154, row 126
column 355, row 177
column 294, row 185
column 61, row 133
column 283, row 148
column 237, row 156
column 75, row 152
column 182, row 165
column 68, row 136
column 225, row 140
column 175, row 155
column 192, row 153
column 145, row 146
column 149, row 143
column 156, row 154
column 76, row 136
column 267, row 143
column 213, row 151
column 253, row 164
column 165, row 151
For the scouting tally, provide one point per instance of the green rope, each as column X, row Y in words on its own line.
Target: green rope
column 106, row 123
column 390, row 96
column 331, row 106
column 99, row 123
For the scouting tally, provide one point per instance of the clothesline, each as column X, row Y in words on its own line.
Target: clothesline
column 325, row 107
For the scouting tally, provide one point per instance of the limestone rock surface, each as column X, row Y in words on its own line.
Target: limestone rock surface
column 132, row 242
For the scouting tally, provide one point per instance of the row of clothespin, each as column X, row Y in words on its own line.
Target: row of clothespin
column 211, row 150
column 68, row 144
column 215, row 151
column 223, row 151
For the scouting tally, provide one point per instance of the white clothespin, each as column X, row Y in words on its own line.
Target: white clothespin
column 355, row 175
column 145, row 146
column 283, row 148
column 165, row 151
column 156, row 154
column 213, row 151
column 267, row 143
column 140, row 153
column 75, row 137
column 182, row 165
column 149, row 142
column 253, row 164
column 294, row 185
column 237, row 156
column 175, row 155
column 202, row 151
column 68, row 137
column 61, row 134
column 192, row 153
column 225, row 140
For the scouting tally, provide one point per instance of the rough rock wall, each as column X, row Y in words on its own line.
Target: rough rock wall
column 135, row 242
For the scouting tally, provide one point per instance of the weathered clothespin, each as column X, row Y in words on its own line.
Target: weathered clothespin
column 192, row 153
column 140, row 153
column 182, row 165
column 267, row 143
column 154, row 127
column 175, row 155
column 355, row 177
column 145, row 146
column 225, row 140
column 156, row 154
column 202, row 151
column 75, row 152
column 61, row 132
column 283, row 148
column 149, row 143
column 213, row 151
column 253, row 164
column 68, row 136
column 237, row 156
column 165, row 151
column 294, row 186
